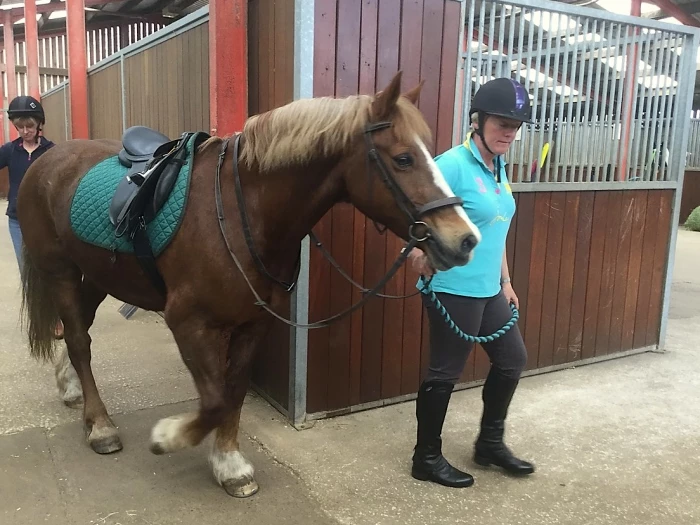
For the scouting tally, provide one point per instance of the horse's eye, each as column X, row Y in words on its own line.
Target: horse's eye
column 403, row 161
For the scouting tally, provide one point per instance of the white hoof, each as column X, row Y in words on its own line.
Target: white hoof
column 168, row 434
column 67, row 381
column 233, row 472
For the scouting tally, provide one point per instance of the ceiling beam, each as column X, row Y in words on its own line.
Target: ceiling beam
column 677, row 12
column 17, row 13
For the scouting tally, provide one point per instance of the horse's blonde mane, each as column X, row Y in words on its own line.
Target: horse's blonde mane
column 296, row 133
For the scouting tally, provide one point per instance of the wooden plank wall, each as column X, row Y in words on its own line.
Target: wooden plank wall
column 270, row 85
column 57, row 114
column 376, row 353
column 105, row 103
column 588, row 268
column 167, row 85
column 690, row 199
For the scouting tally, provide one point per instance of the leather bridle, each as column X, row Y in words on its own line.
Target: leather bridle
column 418, row 230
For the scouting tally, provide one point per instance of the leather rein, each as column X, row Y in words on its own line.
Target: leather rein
column 418, row 230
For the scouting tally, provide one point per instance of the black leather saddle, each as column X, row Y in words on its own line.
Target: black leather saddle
column 150, row 155
column 154, row 162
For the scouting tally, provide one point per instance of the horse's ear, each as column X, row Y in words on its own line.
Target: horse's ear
column 385, row 100
column 414, row 93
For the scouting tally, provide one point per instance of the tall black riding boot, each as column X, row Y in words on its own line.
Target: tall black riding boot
column 490, row 448
column 428, row 462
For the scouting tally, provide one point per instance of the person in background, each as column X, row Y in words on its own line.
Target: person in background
column 477, row 295
column 27, row 116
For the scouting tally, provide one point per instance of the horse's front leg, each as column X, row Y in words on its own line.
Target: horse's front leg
column 203, row 350
column 231, row 469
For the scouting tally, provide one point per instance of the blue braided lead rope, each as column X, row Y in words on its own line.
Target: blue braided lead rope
column 457, row 330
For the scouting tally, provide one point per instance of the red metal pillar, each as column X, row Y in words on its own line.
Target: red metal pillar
column 31, row 35
column 628, row 110
column 9, row 42
column 228, row 65
column 77, row 69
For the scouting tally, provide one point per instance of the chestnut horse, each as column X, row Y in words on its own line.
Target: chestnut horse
column 295, row 163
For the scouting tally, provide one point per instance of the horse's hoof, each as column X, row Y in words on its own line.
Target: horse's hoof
column 241, row 488
column 73, row 399
column 157, row 449
column 107, row 445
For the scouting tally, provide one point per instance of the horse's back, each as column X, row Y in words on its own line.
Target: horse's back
column 48, row 186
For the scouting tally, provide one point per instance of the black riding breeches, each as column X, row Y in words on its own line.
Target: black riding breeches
column 475, row 316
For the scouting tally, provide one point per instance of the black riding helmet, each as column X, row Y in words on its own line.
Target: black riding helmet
column 501, row 97
column 26, row 106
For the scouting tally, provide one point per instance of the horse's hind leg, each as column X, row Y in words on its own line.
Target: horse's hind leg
column 231, row 469
column 77, row 301
column 67, row 380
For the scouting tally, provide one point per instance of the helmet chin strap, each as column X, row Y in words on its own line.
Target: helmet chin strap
column 480, row 134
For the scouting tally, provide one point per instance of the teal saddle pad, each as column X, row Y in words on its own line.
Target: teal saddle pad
column 89, row 214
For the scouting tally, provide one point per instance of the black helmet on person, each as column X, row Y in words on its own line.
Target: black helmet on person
column 503, row 97
column 26, row 106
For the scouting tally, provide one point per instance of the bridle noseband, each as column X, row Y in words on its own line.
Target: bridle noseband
column 413, row 213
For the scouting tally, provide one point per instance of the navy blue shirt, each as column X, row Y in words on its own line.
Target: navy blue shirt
column 17, row 160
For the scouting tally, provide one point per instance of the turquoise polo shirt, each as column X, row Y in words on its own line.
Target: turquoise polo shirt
column 491, row 207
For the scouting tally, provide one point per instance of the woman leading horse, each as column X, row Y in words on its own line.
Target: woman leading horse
column 296, row 162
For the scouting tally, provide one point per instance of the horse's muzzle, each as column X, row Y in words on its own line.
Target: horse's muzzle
column 445, row 255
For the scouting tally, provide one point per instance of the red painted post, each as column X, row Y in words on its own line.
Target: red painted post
column 628, row 110
column 228, row 65
column 77, row 69
column 9, row 42
column 31, row 35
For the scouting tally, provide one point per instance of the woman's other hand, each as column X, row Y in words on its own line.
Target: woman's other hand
column 511, row 297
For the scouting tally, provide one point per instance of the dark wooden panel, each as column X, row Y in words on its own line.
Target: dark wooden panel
column 448, row 78
column 346, row 83
column 167, row 86
column 319, row 290
column 253, row 56
column 523, row 224
column 366, row 81
column 595, row 269
column 659, row 271
column 411, row 25
column 373, row 318
column 635, row 264
column 536, row 277
column 646, row 271
column 690, row 198
column 388, row 46
column 626, row 225
column 431, row 48
column 607, row 277
column 552, row 263
column 580, row 281
column 55, row 111
column 562, row 322
column 105, row 103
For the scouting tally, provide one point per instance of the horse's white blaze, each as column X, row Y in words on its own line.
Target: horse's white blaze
column 67, row 381
column 440, row 182
column 230, row 466
column 169, row 433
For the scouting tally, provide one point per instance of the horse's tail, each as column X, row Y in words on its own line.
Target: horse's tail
column 39, row 314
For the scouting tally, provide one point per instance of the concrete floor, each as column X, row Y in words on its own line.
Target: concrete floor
column 614, row 443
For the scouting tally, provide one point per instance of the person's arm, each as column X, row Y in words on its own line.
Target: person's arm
column 5, row 155
column 506, row 285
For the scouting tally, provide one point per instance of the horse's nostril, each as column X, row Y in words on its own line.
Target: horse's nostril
column 469, row 243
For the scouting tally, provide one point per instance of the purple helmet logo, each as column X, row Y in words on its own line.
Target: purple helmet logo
column 520, row 95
